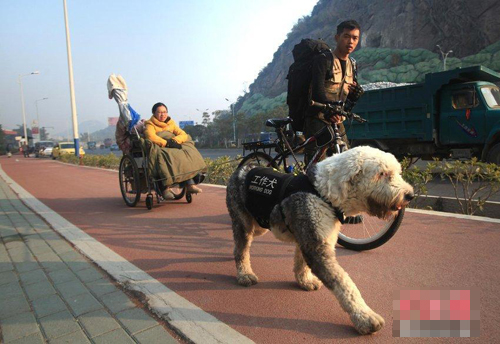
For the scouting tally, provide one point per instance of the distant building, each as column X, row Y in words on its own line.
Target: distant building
column 112, row 121
column 183, row 124
column 10, row 138
column 9, row 132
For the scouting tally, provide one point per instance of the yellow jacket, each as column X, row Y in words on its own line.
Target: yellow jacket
column 154, row 126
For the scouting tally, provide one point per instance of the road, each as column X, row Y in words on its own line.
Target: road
column 206, row 153
column 188, row 248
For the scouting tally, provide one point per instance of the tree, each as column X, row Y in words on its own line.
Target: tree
column 44, row 135
column 219, row 131
column 280, row 111
column 196, row 131
column 84, row 137
column 223, row 121
column 241, row 130
column 206, row 118
column 20, row 132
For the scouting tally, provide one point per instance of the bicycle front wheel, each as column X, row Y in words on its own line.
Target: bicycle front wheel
column 258, row 159
column 369, row 232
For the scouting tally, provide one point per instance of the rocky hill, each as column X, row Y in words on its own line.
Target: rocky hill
column 464, row 26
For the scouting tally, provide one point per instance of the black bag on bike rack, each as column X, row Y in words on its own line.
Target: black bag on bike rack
column 300, row 78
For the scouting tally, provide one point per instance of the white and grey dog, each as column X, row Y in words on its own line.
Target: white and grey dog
column 362, row 179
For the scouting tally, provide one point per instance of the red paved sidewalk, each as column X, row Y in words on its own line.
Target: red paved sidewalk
column 188, row 247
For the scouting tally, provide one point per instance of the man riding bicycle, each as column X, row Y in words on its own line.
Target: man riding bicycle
column 341, row 86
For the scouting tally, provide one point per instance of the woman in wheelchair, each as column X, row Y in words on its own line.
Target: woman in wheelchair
column 162, row 130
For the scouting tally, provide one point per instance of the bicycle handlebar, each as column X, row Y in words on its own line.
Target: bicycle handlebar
column 341, row 112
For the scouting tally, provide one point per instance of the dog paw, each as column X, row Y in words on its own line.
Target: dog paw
column 367, row 321
column 309, row 284
column 247, row 280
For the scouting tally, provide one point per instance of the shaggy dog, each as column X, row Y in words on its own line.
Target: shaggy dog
column 362, row 179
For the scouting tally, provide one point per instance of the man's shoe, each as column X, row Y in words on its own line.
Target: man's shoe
column 194, row 189
column 353, row 220
column 168, row 195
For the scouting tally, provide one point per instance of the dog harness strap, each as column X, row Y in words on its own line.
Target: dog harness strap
column 302, row 183
column 339, row 213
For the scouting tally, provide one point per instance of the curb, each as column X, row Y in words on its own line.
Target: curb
column 186, row 318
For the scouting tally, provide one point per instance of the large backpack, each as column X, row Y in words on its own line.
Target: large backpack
column 300, row 77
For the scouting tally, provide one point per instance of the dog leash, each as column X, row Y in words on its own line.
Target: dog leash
column 208, row 170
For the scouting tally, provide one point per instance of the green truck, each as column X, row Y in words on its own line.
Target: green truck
column 453, row 114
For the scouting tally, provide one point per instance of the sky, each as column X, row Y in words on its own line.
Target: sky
column 189, row 54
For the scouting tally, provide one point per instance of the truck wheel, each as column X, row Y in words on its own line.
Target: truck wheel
column 494, row 154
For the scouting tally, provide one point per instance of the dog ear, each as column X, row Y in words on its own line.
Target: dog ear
column 340, row 176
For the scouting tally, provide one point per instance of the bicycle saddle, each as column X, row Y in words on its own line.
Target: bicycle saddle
column 278, row 122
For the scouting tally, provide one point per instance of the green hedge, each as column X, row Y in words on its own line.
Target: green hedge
column 109, row 161
column 218, row 172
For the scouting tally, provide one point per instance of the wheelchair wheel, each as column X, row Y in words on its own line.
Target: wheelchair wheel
column 130, row 183
column 189, row 197
column 149, row 201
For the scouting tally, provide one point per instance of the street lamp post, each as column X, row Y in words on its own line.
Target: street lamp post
column 444, row 56
column 22, row 103
column 38, row 118
column 234, row 123
column 71, row 84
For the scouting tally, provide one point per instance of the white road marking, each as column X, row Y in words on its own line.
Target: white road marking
column 457, row 216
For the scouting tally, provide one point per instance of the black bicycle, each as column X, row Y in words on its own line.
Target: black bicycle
column 360, row 233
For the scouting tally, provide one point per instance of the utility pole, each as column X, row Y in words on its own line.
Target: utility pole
column 71, row 84
column 22, row 103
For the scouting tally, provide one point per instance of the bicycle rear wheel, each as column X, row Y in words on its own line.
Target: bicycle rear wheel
column 258, row 159
column 370, row 233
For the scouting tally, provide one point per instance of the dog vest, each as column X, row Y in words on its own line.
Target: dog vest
column 265, row 188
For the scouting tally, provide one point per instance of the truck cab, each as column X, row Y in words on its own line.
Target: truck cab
column 453, row 114
column 469, row 115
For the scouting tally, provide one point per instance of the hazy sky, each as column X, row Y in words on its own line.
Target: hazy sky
column 188, row 54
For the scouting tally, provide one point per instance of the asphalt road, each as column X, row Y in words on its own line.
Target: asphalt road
column 188, row 247
column 206, row 153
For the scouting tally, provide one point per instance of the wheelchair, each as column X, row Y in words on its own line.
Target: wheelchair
column 136, row 180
